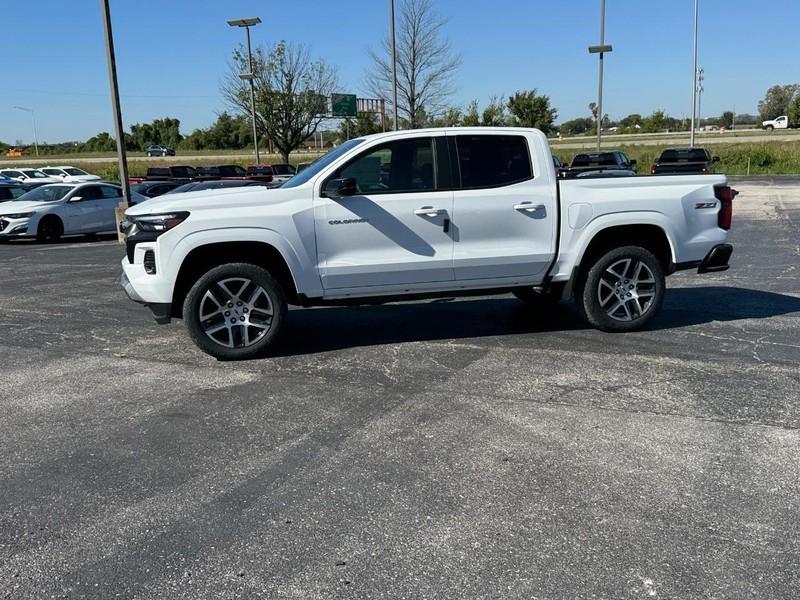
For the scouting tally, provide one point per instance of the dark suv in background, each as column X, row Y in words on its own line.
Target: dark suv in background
column 597, row 163
column 684, row 161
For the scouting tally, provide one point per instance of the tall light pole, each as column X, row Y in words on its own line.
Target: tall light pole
column 601, row 49
column 394, row 64
column 112, row 81
column 247, row 24
column 700, row 90
column 35, row 135
column 694, row 73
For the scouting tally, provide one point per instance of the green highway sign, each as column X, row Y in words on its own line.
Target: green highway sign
column 343, row 105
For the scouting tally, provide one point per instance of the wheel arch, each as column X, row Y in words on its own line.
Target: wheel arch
column 207, row 256
column 649, row 236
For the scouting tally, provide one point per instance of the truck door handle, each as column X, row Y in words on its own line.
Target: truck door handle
column 429, row 211
column 529, row 206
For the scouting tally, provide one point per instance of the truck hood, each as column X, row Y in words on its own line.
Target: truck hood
column 207, row 199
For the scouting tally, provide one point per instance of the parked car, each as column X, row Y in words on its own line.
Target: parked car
column 69, row 174
column 561, row 166
column 221, row 172
column 282, row 172
column 599, row 161
column 50, row 211
column 28, row 175
column 159, row 150
column 230, row 261
column 684, row 161
column 11, row 189
column 196, row 186
column 151, row 189
column 260, row 172
column 179, row 173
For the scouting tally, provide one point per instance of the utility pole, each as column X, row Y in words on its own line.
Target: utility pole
column 694, row 74
column 394, row 65
column 700, row 90
column 601, row 50
column 247, row 24
column 35, row 134
column 112, row 80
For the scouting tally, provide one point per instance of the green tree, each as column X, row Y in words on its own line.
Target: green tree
column 632, row 120
column 164, row 131
column 365, row 123
column 471, row 117
column 576, row 126
column 528, row 109
column 290, row 92
column 794, row 112
column 777, row 100
column 726, row 120
column 656, row 122
column 494, row 115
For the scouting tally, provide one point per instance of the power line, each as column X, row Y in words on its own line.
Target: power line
column 101, row 95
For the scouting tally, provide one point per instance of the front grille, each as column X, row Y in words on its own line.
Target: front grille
column 150, row 262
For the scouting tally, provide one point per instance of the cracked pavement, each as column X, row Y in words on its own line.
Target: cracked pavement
column 466, row 448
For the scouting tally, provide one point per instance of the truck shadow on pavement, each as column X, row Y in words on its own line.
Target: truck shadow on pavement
column 337, row 328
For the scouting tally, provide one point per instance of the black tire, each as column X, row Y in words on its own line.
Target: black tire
column 626, row 300
column 50, row 229
column 769, row 128
column 238, row 338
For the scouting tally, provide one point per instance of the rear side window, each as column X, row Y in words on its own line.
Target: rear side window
column 489, row 161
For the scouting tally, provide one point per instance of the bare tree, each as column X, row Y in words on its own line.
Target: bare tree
column 291, row 92
column 426, row 64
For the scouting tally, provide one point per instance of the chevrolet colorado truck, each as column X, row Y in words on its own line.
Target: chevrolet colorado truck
column 414, row 214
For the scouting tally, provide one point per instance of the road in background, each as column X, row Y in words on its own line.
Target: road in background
column 473, row 448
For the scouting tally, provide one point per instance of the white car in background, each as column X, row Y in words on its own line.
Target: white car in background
column 69, row 174
column 29, row 175
column 50, row 211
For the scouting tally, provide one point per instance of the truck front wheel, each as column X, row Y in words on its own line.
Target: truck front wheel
column 769, row 128
column 622, row 290
column 235, row 311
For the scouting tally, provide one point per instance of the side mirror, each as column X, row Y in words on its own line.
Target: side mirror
column 76, row 199
column 338, row 188
column 632, row 164
column 715, row 159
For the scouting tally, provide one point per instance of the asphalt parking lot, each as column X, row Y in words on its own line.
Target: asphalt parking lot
column 445, row 449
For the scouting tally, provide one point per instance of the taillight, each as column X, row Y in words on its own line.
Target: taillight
column 725, row 195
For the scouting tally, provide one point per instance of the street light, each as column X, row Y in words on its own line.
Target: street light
column 394, row 63
column 247, row 24
column 33, row 118
column 601, row 49
column 694, row 74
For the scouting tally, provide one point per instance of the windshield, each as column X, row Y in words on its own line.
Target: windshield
column 318, row 165
column 74, row 171
column 604, row 159
column 283, row 169
column 47, row 193
column 34, row 174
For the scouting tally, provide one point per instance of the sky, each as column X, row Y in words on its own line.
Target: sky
column 172, row 54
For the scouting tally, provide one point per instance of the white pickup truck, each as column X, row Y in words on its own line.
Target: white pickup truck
column 414, row 214
column 781, row 122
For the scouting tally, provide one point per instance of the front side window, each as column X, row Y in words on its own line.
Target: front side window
column 34, row 174
column 13, row 174
column 74, row 171
column 401, row 166
column 493, row 160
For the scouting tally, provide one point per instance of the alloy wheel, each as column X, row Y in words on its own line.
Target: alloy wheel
column 626, row 289
column 235, row 312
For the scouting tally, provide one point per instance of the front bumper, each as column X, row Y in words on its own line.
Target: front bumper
column 162, row 311
column 13, row 227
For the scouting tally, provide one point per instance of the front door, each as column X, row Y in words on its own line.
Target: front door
column 396, row 229
column 504, row 214
column 82, row 214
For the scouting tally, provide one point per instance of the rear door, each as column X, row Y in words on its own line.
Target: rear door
column 106, row 216
column 503, row 212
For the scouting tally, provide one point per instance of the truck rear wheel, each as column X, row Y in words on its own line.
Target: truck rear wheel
column 622, row 290
column 235, row 311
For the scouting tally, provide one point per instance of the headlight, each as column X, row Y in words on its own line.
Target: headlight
column 18, row 216
column 156, row 223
